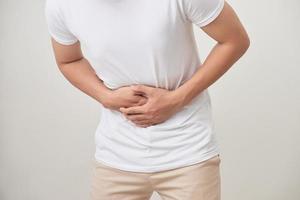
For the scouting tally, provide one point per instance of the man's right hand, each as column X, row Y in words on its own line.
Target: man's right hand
column 123, row 96
column 81, row 74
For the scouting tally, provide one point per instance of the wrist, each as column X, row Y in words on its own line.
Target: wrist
column 178, row 98
column 105, row 97
column 185, row 93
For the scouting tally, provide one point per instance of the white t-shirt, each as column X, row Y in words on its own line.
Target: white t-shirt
column 143, row 42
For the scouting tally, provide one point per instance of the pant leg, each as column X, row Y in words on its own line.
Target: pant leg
column 200, row 181
column 113, row 184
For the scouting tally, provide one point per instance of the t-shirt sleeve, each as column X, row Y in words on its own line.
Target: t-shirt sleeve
column 202, row 12
column 56, row 24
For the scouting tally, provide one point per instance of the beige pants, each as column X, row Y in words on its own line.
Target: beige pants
column 199, row 181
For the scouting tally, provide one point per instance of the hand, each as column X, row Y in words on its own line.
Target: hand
column 123, row 97
column 161, row 104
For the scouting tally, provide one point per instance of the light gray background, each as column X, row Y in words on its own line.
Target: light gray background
column 47, row 126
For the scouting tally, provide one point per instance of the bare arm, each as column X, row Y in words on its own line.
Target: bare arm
column 232, row 43
column 78, row 71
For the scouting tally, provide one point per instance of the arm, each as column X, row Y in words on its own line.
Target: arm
column 77, row 70
column 232, row 43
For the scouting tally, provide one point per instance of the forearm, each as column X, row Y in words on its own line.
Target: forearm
column 220, row 59
column 81, row 75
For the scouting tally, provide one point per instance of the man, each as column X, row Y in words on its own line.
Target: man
column 141, row 64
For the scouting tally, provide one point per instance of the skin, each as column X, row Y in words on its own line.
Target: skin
column 146, row 105
column 78, row 71
column 232, row 42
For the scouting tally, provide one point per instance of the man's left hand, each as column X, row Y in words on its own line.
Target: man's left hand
column 161, row 105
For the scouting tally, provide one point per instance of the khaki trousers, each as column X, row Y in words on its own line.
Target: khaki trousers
column 199, row 181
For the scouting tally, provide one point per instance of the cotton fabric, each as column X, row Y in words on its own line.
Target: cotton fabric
column 201, row 181
column 148, row 42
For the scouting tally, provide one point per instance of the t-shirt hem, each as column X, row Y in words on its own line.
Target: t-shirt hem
column 213, row 15
column 192, row 161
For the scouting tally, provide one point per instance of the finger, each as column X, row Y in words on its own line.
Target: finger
column 142, row 101
column 143, row 122
column 146, row 122
column 138, row 93
column 133, row 110
column 137, row 117
column 142, row 89
column 138, row 98
column 143, row 125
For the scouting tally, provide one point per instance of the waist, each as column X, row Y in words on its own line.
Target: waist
column 198, row 111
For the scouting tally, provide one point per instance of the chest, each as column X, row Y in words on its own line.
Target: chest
column 122, row 25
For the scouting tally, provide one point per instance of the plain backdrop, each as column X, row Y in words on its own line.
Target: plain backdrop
column 47, row 125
